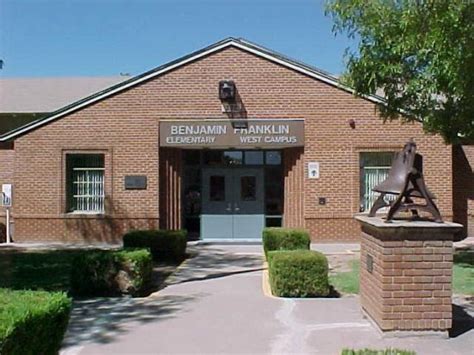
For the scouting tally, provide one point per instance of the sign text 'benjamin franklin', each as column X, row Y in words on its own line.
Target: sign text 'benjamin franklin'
column 224, row 134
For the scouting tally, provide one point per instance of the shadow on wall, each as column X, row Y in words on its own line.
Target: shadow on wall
column 463, row 183
column 107, row 228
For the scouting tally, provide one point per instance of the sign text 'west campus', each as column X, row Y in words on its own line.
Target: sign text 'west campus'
column 262, row 133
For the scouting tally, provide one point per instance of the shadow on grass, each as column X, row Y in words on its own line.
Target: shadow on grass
column 50, row 270
column 464, row 258
column 333, row 293
column 37, row 270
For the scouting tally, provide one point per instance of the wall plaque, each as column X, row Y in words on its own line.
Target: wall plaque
column 135, row 182
column 243, row 133
column 370, row 263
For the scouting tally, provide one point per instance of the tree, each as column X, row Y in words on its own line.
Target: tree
column 419, row 53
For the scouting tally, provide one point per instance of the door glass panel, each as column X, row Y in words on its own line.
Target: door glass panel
column 233, row 157
column 217, row 188
column 273, row 157
column 192, row 191
column 254, row 158
column 248, row 188
column 212, row 157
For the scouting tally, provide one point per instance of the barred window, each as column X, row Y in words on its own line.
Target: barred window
column 85, row 183
column 374, row 168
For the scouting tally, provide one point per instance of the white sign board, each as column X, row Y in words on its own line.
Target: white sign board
column 7, row 195
column 313, row 170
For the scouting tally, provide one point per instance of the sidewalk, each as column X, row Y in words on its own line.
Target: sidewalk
column 215, row 304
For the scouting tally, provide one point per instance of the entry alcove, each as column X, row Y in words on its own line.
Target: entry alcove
column 270, row 162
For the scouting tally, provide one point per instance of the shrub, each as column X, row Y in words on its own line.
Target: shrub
column 163, row 244
column 93, row 274
column 298, row 273
column 108, row 273
column 285, row 239
column 32, row 322
column 389, row 351
column 135, row 271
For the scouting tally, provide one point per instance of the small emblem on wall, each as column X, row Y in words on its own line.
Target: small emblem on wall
column 313, row 170
column 135, row 182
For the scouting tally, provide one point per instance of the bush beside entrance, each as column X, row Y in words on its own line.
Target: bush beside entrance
column 163, row 244
column 298, row 273
column 109, row 273
column 285, row 239
column 32, row 322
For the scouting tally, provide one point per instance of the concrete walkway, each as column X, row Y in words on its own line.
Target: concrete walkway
column 214, row 304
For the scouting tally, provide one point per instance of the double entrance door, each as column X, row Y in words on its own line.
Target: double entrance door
column 232, row 203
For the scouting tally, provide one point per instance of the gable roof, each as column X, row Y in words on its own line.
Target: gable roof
column 229, row 42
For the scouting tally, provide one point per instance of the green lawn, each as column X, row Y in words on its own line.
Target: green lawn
column 463, row 276
column 347, row 282
column 37, row 270
column 463, row 273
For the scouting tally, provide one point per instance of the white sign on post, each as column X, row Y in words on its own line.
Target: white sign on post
column 313, row 170
column 7, row 202
column 7, row 195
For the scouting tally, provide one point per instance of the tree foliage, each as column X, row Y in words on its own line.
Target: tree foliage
column 419, row 53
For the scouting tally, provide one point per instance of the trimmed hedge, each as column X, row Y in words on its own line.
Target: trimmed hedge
column 285, row 239
column 163, row 244
column 32, row 322
column 135, row 271
column 110, row 273
column 298, row 273
column 389, row 351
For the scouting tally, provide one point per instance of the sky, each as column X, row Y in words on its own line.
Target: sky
column 58, row 38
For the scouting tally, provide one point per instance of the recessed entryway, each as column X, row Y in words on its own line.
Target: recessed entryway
column 231, row 194
column 232, row 203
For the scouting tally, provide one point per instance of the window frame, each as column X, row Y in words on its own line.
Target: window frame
column 67, row 211
column 365, row 206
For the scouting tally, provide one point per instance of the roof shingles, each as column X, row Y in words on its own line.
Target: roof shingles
column 33, row 95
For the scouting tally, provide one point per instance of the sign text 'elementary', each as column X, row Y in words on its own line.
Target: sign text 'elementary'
column 199, row 133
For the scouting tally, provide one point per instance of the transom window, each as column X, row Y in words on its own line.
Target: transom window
column 85, row 183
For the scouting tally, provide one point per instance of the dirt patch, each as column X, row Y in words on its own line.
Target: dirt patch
column 341, row 262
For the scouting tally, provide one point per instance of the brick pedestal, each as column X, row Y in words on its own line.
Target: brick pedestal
column 406, row 274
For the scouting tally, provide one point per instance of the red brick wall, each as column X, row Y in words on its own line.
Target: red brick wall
column 293, row 203
column 469, row 151
column 409, row 287
column 7, row 161
column 126, row 126
column 463, row 185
